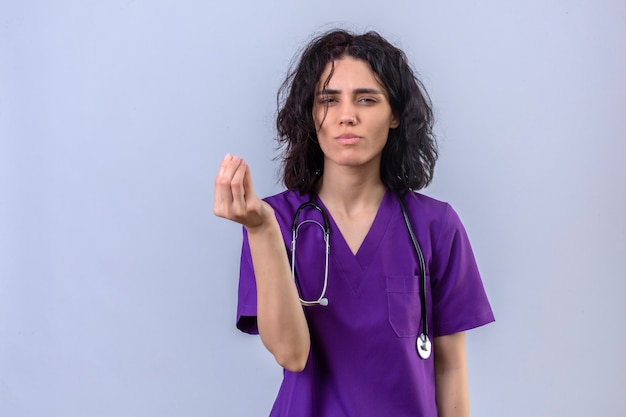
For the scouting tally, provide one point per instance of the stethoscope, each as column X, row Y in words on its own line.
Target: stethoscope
column 424, row 346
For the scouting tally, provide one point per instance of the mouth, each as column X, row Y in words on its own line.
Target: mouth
column 348, row 139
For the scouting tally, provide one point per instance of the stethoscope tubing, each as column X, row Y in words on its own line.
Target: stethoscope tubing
column 423, row 341
column 422, row 264
column 295, row 227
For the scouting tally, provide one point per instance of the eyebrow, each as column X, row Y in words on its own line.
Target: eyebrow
column 356, row 91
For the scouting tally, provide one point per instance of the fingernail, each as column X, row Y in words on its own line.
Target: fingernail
column 227, row 157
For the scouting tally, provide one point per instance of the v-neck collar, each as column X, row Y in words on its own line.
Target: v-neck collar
column 355, row 267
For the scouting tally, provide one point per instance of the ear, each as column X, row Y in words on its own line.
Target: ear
column 395, row 121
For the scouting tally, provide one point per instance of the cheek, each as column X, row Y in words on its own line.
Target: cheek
column 318, row 116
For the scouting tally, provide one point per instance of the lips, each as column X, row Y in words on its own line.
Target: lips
column 348, row 139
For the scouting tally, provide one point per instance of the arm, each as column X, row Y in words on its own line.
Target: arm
column 451, row 375
column 280, row 317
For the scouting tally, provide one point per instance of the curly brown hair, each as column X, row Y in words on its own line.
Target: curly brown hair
column 409, row 156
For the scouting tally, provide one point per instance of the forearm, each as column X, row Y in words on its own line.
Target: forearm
column 452, row 393
column 451, row 376
column 280, row 317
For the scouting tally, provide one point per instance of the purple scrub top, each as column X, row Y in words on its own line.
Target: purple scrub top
column 363, row 360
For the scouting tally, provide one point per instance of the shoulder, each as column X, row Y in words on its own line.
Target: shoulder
column 427, row 207
column 286, row 202
column 285, row 205
column 286, row 198
column 438, row 215
column 423, row 201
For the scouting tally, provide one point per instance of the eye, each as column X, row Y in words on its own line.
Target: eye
column 326, row 100
column 366, row 100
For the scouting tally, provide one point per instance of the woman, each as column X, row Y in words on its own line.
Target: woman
column 356, row 129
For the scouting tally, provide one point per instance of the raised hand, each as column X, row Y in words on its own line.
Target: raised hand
column 234, row 194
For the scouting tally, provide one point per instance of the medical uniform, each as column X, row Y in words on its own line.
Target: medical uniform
column 363, row 360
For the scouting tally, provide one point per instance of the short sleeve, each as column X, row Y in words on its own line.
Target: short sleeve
column 247, row 300
column 459, row 299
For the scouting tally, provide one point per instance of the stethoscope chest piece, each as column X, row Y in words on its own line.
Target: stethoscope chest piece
column 424, row 347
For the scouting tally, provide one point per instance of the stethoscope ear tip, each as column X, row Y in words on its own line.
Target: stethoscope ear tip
column 323, row 301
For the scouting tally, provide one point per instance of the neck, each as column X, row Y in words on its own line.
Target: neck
column 349, row 191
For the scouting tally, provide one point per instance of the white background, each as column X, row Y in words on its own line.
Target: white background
column 118, row 285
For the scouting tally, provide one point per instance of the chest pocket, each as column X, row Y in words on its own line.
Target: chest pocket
column 403, row 298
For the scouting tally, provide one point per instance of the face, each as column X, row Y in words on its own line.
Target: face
column 352, row 115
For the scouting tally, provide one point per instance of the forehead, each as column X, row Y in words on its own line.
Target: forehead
column 348, row 72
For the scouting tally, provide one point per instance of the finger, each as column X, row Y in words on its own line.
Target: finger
column 222, row 183
column 240, row 194
column 223, row 163
column 247, row 183
column 222, row 192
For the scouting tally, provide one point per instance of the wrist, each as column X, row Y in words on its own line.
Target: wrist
column 265, row 222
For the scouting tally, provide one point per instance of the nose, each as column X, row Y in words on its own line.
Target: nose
column 348, row 115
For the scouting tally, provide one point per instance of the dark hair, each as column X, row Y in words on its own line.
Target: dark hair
column 409, row 156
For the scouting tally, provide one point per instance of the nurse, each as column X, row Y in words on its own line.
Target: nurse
column 356, row 129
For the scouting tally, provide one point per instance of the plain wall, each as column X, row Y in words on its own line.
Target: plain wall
column 118, row 285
